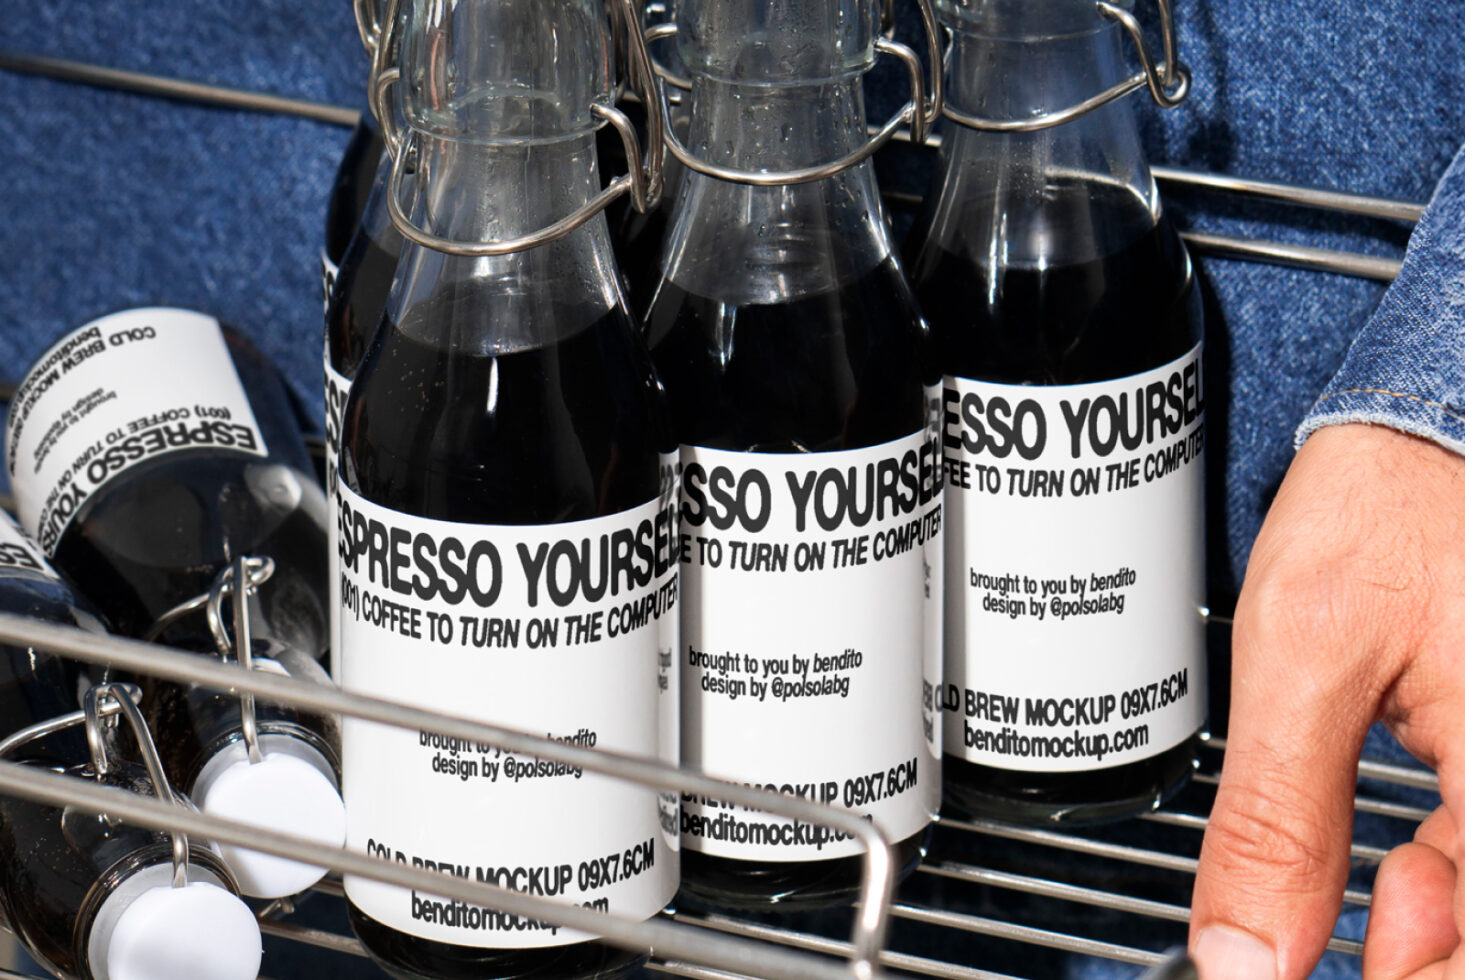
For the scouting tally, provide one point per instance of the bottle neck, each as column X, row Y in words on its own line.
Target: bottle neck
column 474, row 192
column 762, row 245
column 766, row 127
column 1016, row 60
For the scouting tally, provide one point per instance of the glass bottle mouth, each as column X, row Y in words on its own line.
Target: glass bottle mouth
column 505, row 71
column 1025, row 20
column 753, row 42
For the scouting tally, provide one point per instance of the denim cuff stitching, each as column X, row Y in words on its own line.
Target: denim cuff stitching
column 1446, row 409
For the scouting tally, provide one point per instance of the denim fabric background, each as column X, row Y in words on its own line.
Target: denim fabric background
column 113, row 200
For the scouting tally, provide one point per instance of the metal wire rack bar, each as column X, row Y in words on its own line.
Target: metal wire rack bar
column 186, row 668
column 199, row 93
column 1297, row 256
column 1031, row 935
column 906, row 963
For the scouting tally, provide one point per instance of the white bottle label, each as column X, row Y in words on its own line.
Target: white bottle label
column 809, row 583
column 116, row 393
column 1075, row 569
column 328, row 272
column 18, row 551
column 564, row 630
column 337, row 390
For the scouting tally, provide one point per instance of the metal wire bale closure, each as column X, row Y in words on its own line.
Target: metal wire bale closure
column 366, row 24
column 1168, row 80
column 252, row 572
column 926, row 104
column 643, row 179
column 101, row 705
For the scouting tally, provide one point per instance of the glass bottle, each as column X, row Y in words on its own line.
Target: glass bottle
column 357, row 300
column 350, row 192
column 148, row 451
column 506, row 431
column 801, row 384
column 92, row 897
column 1068, row 327
column 36, row 685
column 356, row 295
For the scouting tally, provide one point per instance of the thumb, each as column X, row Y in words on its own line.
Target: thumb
column 1274, row 861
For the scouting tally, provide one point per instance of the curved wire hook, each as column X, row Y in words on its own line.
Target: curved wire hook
column 1168, row 81
column 239, row 581
column 120, row 697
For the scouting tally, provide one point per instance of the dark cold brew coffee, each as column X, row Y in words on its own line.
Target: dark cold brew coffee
column 803, row 393
column 1121, row 314
column 349, row 194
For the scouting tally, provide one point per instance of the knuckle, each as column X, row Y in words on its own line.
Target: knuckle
column 1374, row 579
column 1302, row 602
column 1292, row 614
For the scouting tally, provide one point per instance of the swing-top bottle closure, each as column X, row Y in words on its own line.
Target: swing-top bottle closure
column 100, row 707
column 1168, row 79
column 252, row 572
column 425, row 113
column 249, row 782
column 370, row 15
column 919, row 112
column 154, row 907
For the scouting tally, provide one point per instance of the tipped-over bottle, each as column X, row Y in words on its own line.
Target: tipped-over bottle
column 94, row 898
column 149, row 452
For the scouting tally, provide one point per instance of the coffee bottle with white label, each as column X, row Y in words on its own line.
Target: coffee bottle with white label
column 802, row 388
column 1069, row 332
column 94, row 898
column 507, row 514
column 152, row 454
column 354, row 307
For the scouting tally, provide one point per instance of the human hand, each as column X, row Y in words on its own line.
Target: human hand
column 1353, row 610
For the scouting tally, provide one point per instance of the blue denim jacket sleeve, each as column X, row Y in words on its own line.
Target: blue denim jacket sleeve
column 1406, row 367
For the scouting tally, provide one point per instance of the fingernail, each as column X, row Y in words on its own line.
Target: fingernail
column 1227, row 953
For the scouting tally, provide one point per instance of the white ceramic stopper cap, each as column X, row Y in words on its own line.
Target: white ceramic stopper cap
column 282, row 793
column 188, row 933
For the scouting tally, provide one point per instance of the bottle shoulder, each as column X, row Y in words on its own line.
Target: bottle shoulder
column 559, row 432
column 159, row 533
column 359, row 298
column 41, row 597
column 1123, row 311
column 837, row 370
